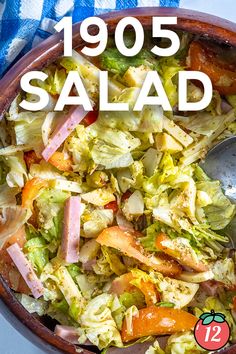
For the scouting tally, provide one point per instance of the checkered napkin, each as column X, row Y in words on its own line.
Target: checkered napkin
column 25, row 23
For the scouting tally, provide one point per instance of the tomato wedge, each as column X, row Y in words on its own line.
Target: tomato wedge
column 125, row 196
column 183, row 255
column 150, row 292
column 31, row 191
column 221, row 73
column 7, row 268
column 112, row 205
column 30, row 158
column 154, row 321
column 126, row 242
column 90, row 118
column 60, row 162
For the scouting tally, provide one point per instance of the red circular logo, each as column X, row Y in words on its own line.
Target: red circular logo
column 212, row 332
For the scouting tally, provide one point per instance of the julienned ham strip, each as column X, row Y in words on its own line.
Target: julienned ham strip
column 63, row 130
column 71, row 334
column 26, row 270
column 71, row 230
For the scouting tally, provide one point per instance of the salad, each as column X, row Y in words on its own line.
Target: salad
column 108, row 223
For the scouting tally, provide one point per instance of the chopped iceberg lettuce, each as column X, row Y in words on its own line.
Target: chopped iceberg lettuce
column 98, row 322
column 96, row 221
column 30, row 127
column 70, row 291
column 155, row 349
column 17, row 175
column 223, row 270
column 32, row 305
column 133, row 298
column 37, row 252
column 149, row 120
column 168, row 68
column 220, row 211
column 183, row 343
column 7, row 195
column 112, row 60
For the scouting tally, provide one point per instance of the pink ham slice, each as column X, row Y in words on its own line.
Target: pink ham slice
column 71, row 230
column 63, row 130
column 211, row 287
column 26, row 270
column 69, row 333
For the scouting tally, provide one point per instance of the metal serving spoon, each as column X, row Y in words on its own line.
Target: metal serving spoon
column 220, row 164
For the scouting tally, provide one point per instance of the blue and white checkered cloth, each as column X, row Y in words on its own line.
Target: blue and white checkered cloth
column 25, row 23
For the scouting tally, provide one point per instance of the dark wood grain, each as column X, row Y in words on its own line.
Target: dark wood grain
column 195, row 22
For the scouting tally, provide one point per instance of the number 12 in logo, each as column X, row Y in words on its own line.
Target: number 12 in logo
column 212, row 332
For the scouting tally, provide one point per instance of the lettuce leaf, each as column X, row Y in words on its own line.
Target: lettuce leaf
column 129, row 314
column 17, row 175
column 110, row 156
column 90, row 75
column 200, row 123
column 89, row 251
column 87, row 288
column 136, row 298
column 45, row 170
column 26, row 125
column 50, row 203
column 55, row 81
column 32, row 305
column 70, row 291
column 37, row 253
column 98, row 322
column 96, row 221
column 74, row 271
column 4, row 169
column 155, row 349
column 103, row 266
column 8, row 195
column 149, row 240
column 221, row 211
column 30, row 127
column 12, row 219
column 168, row 68
column 114, row 137
column 78, row 145
column 151, row 160
column 183, row 343
column 50, row 206
column 232, row 100
column 133, row 206
column 198, row 148
column 112, row 147
column 149, row 120
column 114, row 260
column 178, row 292
column 224, row 271
column 113, row 61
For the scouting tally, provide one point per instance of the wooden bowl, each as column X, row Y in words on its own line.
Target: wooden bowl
column 191, row 21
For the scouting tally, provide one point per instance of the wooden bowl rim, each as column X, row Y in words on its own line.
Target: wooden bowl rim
column 197, row 22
